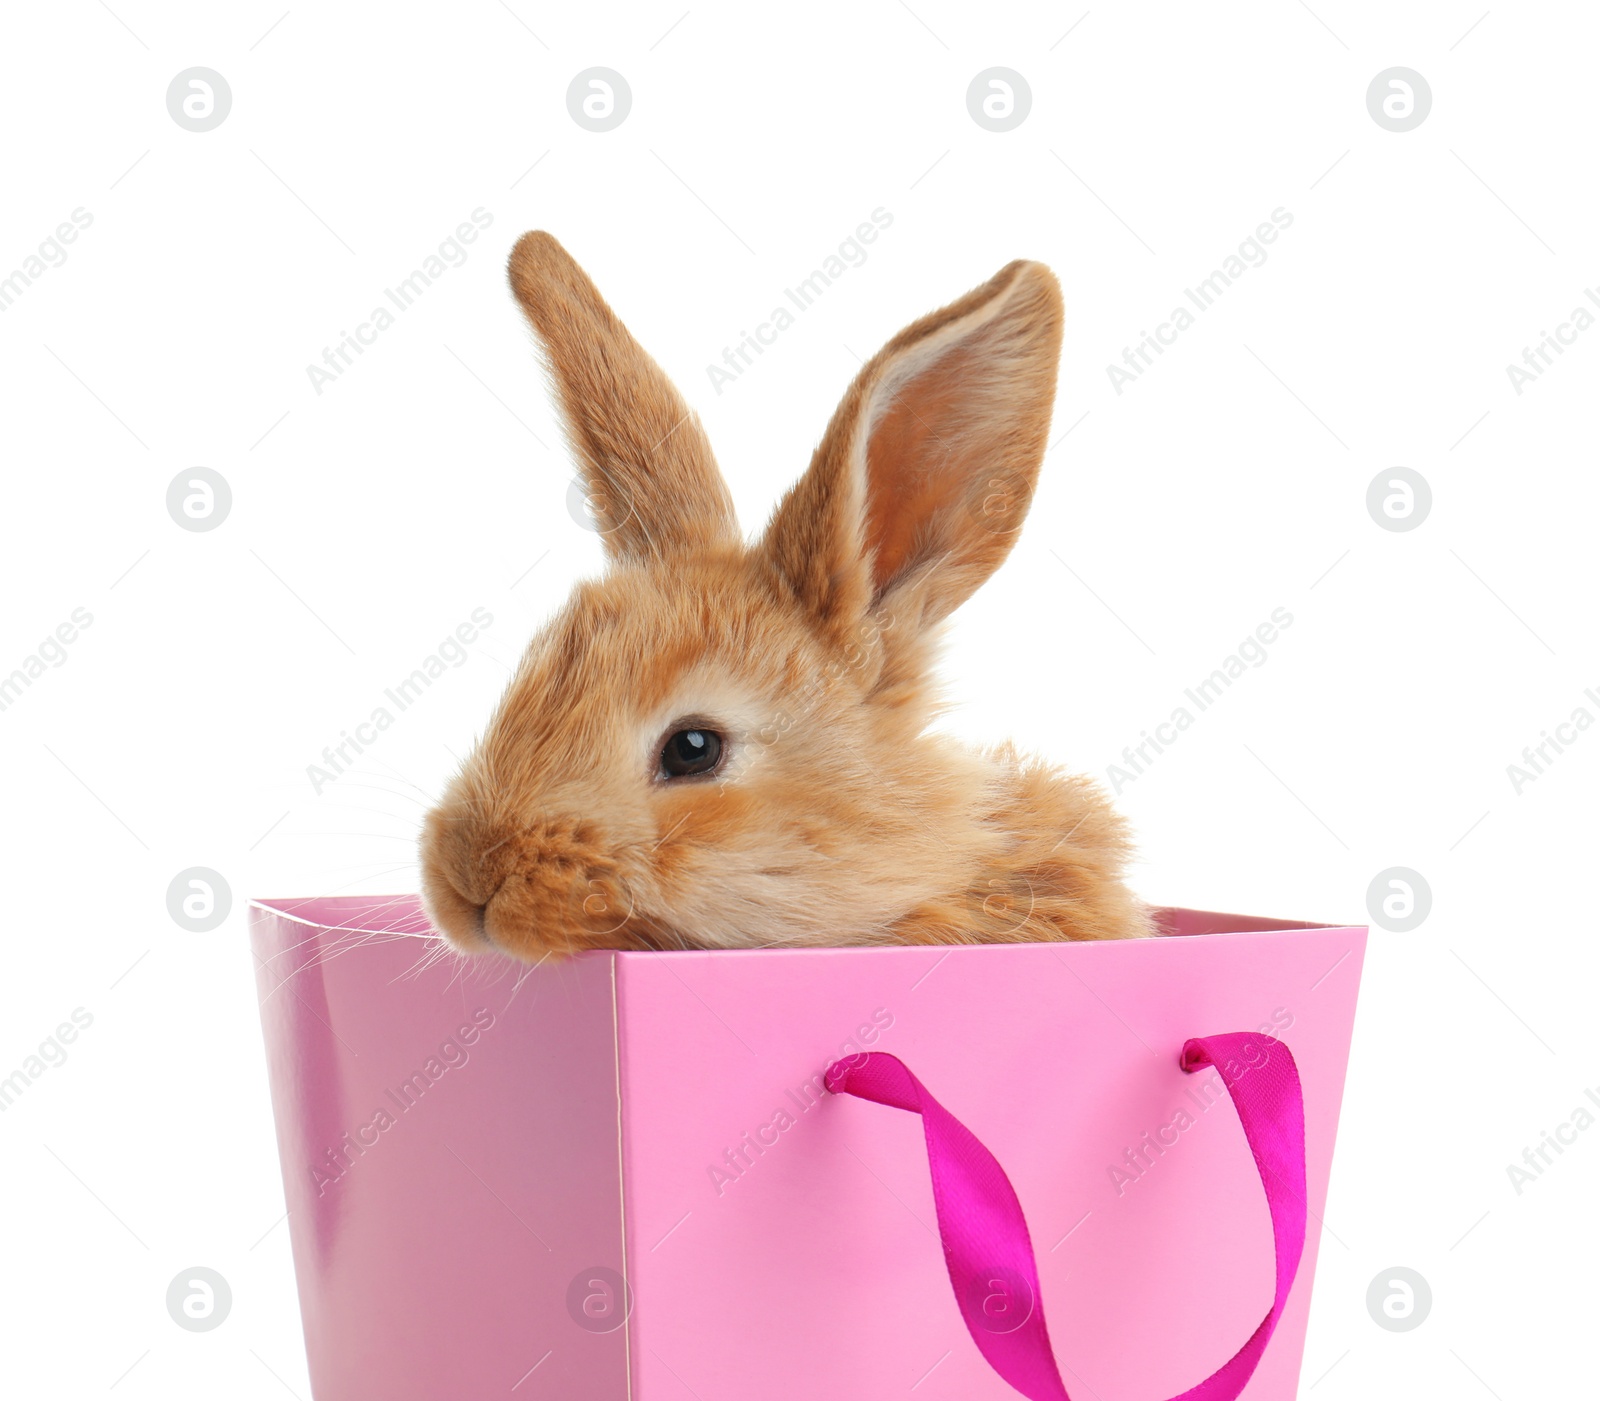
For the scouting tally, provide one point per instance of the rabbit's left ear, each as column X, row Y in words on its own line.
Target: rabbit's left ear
column 922, row 480
column 653, row 483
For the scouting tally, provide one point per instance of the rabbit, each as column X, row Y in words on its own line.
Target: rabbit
column 723, row 745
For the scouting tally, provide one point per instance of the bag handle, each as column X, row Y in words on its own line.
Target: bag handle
column 985, row 1237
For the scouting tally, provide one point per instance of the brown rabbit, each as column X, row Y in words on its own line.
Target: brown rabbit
column 723, row 745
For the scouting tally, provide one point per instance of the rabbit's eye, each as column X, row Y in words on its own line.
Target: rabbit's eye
column 691, row 752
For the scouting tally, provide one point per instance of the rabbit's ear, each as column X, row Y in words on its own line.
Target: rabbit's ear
column 653, row 483
column 925, row 473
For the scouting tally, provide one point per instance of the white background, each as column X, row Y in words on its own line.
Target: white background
column 1231, row 479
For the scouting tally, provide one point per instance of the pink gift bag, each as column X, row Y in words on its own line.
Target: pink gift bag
column 1045, row 1170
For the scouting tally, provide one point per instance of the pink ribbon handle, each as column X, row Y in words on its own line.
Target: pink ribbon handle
column 985, row 1238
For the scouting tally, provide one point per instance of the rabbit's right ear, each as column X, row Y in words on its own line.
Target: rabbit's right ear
column 922, row 480
column 653, row 483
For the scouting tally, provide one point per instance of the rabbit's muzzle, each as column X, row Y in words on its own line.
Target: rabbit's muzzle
column 544, row 887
